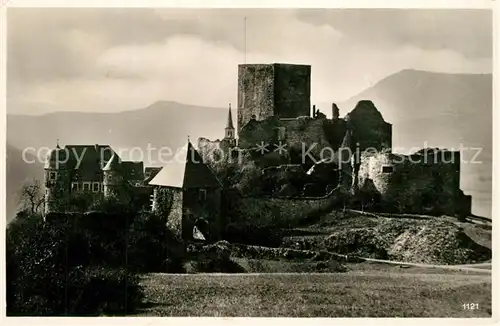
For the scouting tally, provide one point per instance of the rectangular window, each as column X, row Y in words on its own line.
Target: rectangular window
column 74, row 186
column 96, row 187
column 86, row 186
column 202, row 195
column 280, row 133
column 52, row 176
column 387, row 169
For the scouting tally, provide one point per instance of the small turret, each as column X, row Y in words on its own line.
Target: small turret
column 55, row 178
column 113, row 178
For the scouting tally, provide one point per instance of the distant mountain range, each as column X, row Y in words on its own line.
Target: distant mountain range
column 443, row 110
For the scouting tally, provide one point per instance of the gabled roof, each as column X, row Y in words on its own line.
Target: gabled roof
column 186, row 170
column 113, row 164
column 133, row 170
column 88, row 160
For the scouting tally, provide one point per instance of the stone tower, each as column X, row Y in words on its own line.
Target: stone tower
column 113, row 180
column 56, row 185
column 229, row 130
column 266, row 90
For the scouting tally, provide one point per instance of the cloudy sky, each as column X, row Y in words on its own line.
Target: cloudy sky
column 120, row 59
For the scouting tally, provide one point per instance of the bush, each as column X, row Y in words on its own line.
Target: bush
column 214, row 258
column 152, row 247
column 102, row 291
column 51, row 270
column 252, row 235
column 211, row 265
column 111, row 205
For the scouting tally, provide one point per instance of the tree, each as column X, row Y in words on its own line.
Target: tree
column 32, row 198
column 58, row 269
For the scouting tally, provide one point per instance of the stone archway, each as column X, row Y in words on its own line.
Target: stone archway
column 201, row 229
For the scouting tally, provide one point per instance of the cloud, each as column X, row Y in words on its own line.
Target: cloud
column 110, row 59
column 468, row 32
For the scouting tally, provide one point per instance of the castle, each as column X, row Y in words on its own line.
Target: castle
column 91, row 169
column 306, row 155
column 277, row 125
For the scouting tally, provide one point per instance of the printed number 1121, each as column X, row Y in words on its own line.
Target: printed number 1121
column 470, row 306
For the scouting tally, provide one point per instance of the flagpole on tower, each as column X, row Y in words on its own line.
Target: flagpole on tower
column 245, row 37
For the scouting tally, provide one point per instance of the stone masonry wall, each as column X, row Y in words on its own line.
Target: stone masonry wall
column 425, row 184
column 168, row 202
column 207, row 208
column 57, row 190
column 292, row 96
column 266, row 90
column 217, row 151
column 255, row 92
column 368, row 127
column 319, row 137
column 283, row 212
column 303, row 136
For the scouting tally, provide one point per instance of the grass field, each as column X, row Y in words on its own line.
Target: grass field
column 369, row 290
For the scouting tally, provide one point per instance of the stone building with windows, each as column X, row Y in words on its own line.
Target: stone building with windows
column 278, row 126
column 188, row 194
column 94, row 169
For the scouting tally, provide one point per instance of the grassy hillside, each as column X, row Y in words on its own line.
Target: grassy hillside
column 429, row 240
column 362, row 293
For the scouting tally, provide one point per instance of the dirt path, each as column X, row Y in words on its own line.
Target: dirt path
column 479, row 268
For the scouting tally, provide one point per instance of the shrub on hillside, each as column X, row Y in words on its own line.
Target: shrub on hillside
column 77, row 202
column 152, row 247
column 111, row 205
column 252, row 235
column 214, row 258
column 99, row 290
column 50, row 272
column 210, row 265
